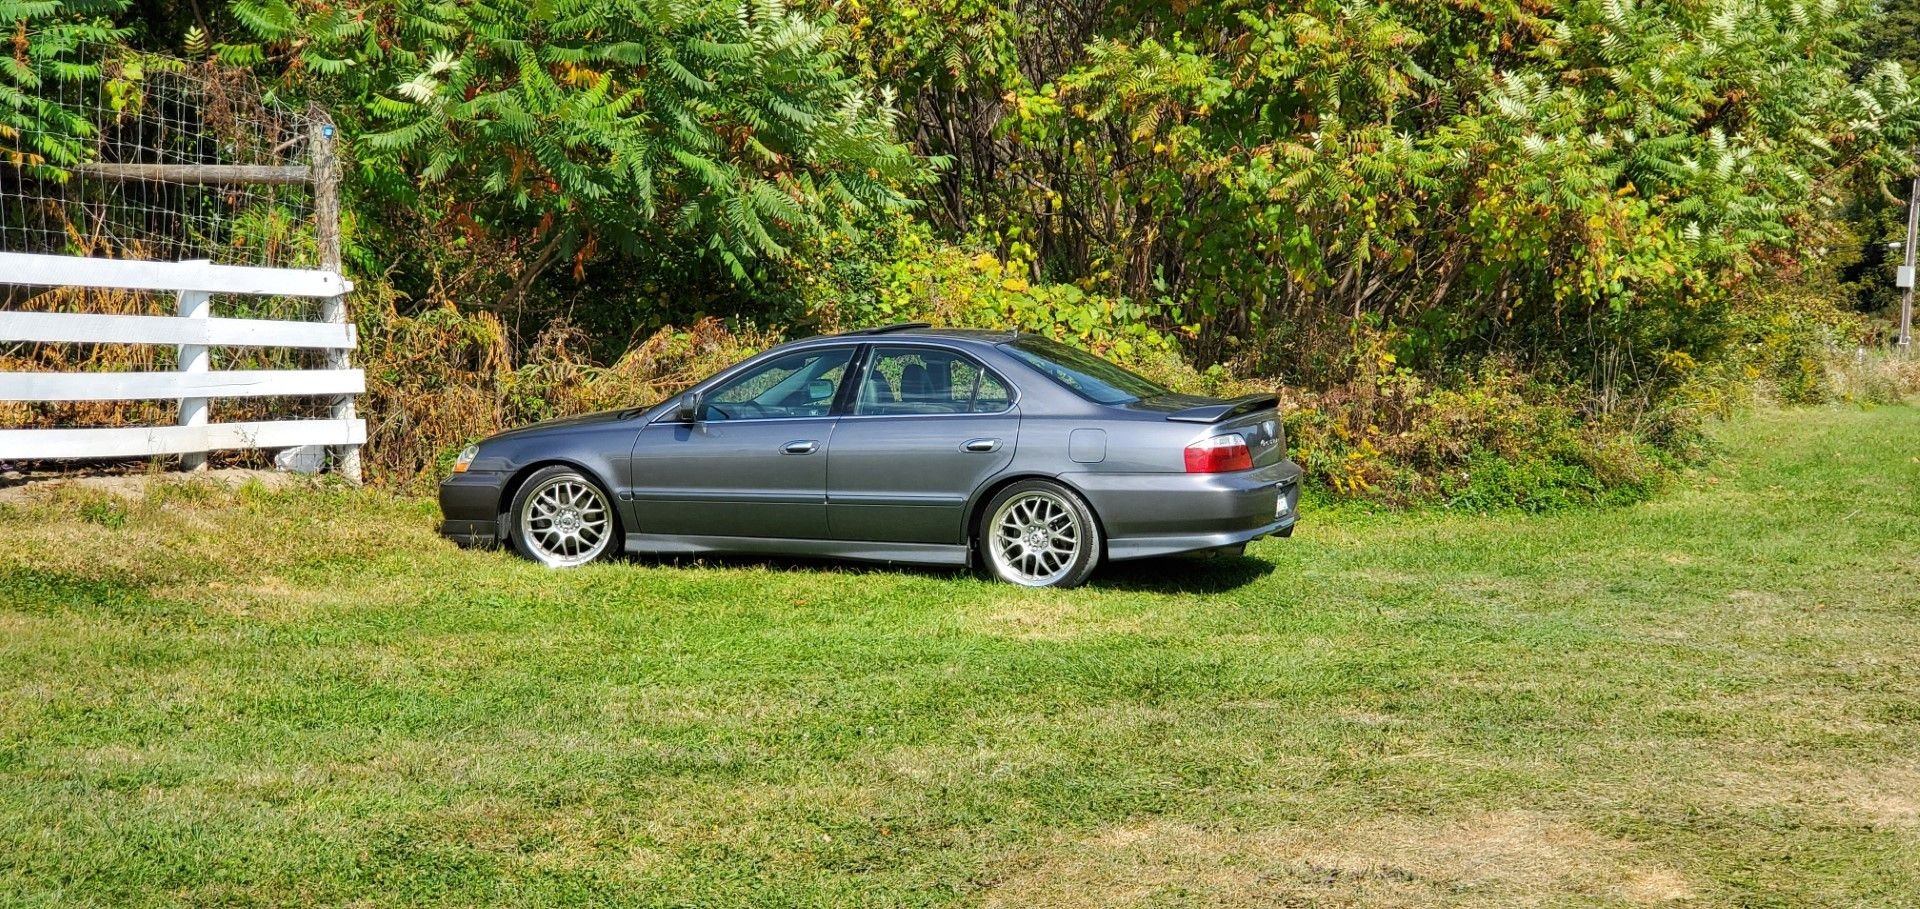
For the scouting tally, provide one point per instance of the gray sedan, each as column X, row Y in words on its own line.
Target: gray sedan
column 1011, row 452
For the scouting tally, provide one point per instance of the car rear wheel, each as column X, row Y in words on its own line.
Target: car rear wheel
column 1037, row 533
column 562, row 519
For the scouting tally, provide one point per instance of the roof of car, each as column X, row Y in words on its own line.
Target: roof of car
column 922, row 330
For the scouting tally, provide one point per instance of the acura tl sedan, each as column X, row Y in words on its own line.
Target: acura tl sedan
column 1008, row 452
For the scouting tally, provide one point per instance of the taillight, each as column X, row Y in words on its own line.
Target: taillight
column 1220, row 454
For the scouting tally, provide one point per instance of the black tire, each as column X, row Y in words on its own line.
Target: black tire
column 563, row 518
column 1030, row 512
column 1286, row 531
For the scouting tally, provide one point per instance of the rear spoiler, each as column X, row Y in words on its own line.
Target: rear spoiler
column 1226, row 410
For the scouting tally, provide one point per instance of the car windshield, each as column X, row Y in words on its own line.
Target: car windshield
column 1082, row 373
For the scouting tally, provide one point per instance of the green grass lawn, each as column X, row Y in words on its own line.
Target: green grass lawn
column 306, row 698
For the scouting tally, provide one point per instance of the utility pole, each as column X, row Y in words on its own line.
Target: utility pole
column 1907, row 274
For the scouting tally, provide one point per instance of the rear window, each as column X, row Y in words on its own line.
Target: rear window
column 1082, row 373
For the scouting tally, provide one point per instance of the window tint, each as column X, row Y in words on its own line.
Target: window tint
column 910, row 380
column 1082, row 373
column 797, row 385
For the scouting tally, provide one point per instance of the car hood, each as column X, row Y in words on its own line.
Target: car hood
column 582, row 421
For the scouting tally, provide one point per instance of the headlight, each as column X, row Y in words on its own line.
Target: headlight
column 466, row 457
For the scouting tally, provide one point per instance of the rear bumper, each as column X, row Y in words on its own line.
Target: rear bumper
column 470, row 508
column 1160, row 514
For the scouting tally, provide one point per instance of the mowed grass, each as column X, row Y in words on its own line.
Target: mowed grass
column 306, row 698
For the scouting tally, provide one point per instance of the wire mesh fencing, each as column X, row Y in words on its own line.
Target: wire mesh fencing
column 146, row 157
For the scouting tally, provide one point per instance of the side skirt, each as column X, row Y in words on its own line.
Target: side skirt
column 903, row 553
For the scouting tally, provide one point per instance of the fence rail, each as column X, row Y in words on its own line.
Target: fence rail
column 85, row 328
column 149, row 441
column 156, row 386
column 194, row 332
column 134, row 274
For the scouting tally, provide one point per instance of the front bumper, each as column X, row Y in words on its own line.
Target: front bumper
column 470, row 507
column 1161, row 514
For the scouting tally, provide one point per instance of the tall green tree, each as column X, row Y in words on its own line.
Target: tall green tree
column 1576, row 181
column 595, row 128
column 1878, row 207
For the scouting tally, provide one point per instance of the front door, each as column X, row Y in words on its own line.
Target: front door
column 755, row 463
column 927, row 428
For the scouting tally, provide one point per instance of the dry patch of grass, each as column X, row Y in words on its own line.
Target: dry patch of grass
column 1886, row 798
column 1506, row 858
column 1048, row 616
column 949, row 765
column 140, row 486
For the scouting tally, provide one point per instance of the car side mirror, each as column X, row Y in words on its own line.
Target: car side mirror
column 819, row 389
column 693, row 406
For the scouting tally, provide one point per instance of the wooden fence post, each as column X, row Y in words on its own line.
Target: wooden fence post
column 326, row 231
column 194, row 358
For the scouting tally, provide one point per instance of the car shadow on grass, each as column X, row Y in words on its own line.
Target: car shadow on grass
column 793, row 564
column 1195, row 574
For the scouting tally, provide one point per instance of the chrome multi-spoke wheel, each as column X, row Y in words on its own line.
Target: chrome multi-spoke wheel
column 562, row 519
column 1039, row 535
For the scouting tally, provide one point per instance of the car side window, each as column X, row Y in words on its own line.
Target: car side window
column 917, row 380
column 992, row 395
column 801, row 384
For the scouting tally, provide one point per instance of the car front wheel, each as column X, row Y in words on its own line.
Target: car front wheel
column 562, row 519
column 1037, row 533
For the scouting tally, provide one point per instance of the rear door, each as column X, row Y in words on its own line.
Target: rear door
column 927, row 427
column 755, row 465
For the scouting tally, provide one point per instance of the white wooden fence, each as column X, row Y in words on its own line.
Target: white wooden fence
column 194, row 331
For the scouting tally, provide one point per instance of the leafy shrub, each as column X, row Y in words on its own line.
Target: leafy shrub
column 970, row 286
column 1782, row 343
column 443, row 379
column 1491, row 439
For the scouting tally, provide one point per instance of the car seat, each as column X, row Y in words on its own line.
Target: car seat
column 915, row 386
column 875, row 393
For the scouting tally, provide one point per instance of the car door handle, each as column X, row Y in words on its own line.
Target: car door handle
column 981, row 445
column 803, row 446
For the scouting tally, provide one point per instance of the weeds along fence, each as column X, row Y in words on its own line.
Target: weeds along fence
column 170, row 268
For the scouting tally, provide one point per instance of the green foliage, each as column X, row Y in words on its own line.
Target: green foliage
column 38, row 135
column 1785, row 341
column 1876, row 213
column 974, row 288
column 899, row 270
column 1895, row 36
column 1573, row 183
column 1493, row 439
column 592, row 127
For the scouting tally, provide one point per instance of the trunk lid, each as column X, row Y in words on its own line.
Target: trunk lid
column 1255, row 417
